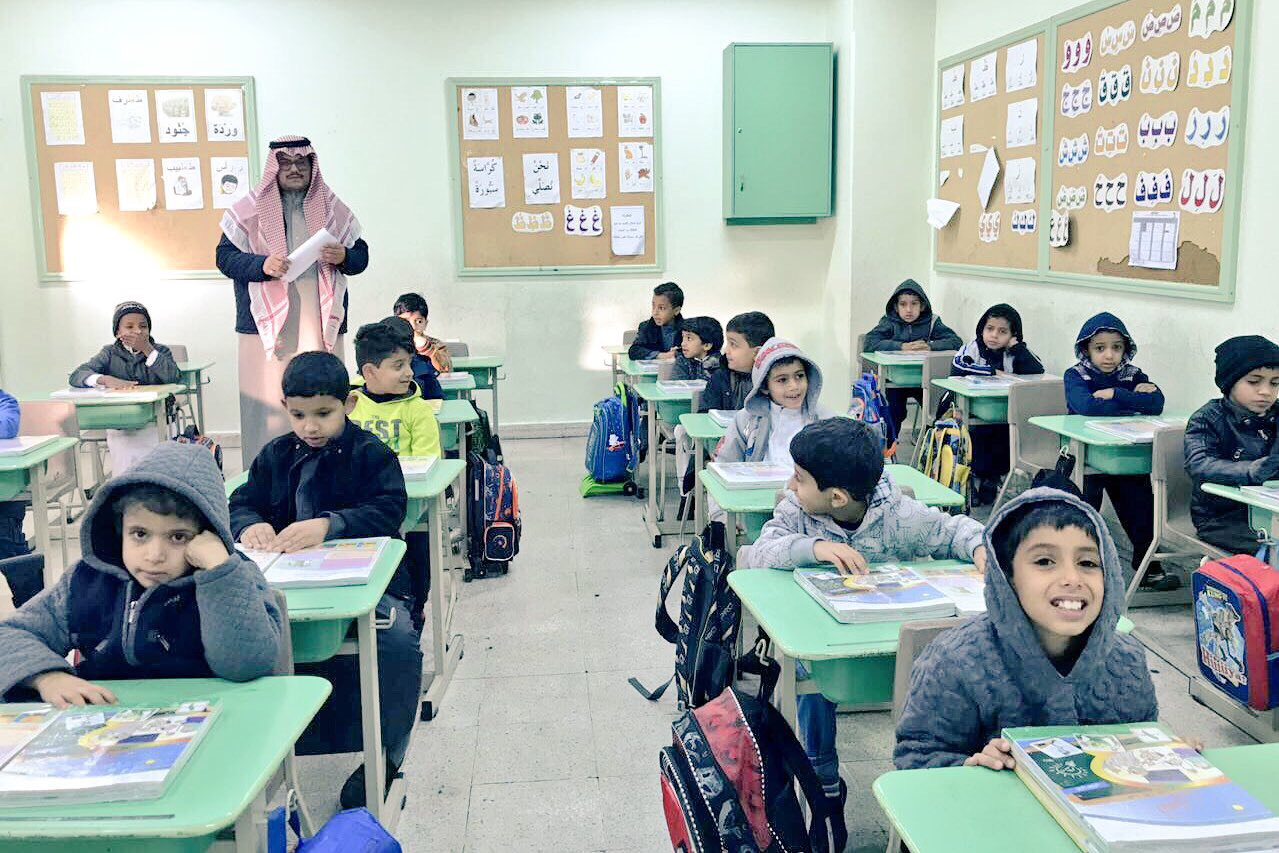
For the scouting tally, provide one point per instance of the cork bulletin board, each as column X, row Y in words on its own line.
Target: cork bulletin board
column 1141, row 132
column 605, row 174
column 100, row 152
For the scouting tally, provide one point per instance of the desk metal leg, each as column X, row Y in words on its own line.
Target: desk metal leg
column 699, row 491
column 787, row 690
column 448, row 648
column 371, row 718
column 250, row 826
column 651, row 520
column 894, row 841
column 1078, row 450
column 40, row 511
column 493, row 384
column 730, row 535
column 199, row 401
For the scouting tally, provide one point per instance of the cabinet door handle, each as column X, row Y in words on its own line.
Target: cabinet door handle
column 741, row 185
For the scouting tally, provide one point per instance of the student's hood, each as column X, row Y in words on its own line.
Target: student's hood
column 909, row 286
column 1104, row 322
column 1023, row 655
column 188, row 470
column 773, row 351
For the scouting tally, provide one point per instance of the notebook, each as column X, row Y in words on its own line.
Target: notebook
column 723, row 417
column 23, row 444
column 455, row 379
column 1137, row 788
column 980, row 382
column 751, row 475
column 1136, row 430
column 19, row 724
column 647, row 366
column 679, row 386
column 417, row 467
column 888, row 594
column 104, row 394
column 342, row 562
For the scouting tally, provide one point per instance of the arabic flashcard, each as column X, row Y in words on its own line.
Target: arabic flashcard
column 183, row 186
column 527, row 222
column 1076, row 53
column 1022, row 126
column 635, row 167
column 1071, row 198
column 952, row 87
column 1019, row 181
column 1073, row 150
column 1205, row 70
column 229, row 178
column 587, row 173
column 952, row 136
column 585, row 107
column 626, row 223
column 1202, row 191
column 1160, row 74
column 63, row 118
column 1207, row 129
column 175, row 115
column 1115, row 40
column 982, row 79
column 1020, row 65
column 634, row 111
column 1076, row 100
column 1153, row 188
column 1157, row 26
column 542, row 178
column 130, row 114
column 583, row 221
column 1157, row 132
column 1059, row 229
column 1154, row 239
column 1110, row 194
column 76, row 188
column 479, row 114
column 486, row 182
column 1210, row 16
column 988, row 227
column 224, row 115
column 1114, row 86
column 528, row 112
column 1023, row 221
column 1111, row 142
column 135, row 184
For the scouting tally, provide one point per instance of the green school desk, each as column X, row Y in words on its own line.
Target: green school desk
column 23, row 476
column 453, row 417
column 103, row 412
column 983, row 405
column 971, row 808
column 615, row 352
column 1099, row 452
column 637, row 371
column 457, row 387
column 483, row 368
column 222, row 787
column 193, row 379
column 666, row 406
column 1263, row 512
column 701, row 429
column 895, row 369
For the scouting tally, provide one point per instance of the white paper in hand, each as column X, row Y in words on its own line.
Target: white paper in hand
column 301, row 258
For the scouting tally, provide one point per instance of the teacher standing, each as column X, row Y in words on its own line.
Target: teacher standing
column 277, row 319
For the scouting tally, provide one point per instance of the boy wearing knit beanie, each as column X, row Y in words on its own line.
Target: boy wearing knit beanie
column 1231, row 440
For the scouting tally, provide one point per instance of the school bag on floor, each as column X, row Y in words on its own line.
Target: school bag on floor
column 870, row 406
column 482, row 437
column 192, row 435
column 945, row 453
column 612, row 447
column 1237, row 628
column 492, row 516
column 728, row 783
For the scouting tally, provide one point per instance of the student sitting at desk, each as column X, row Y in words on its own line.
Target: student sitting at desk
column 1106, row 383
column 1000, row 347
column 431, row 356
column 728, row 385
column 909, row 325
column 698, row 355
column 13, row 542
column 659, row 336
column 329, row 479
column 841, row 508
column 1045, row 653
column 390, row 407
column 425, row 376
column 160, row 591
column 1231, row 440
column 133, row 358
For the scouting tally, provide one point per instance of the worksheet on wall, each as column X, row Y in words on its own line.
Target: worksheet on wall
column 528, row 112
column 63, row 119
column 224, row 115
column 135, row 184
column 130, row 113
column 1153, row 244
column 175, row 115
column 542, row 178
column 479, row 114
column 587, row 173
column 634, row 111
column 230, row 180
column 486, row 183
column 952, row 87
column 183, row 187
column 77, row 191
column 1020, row 73
column 627, row 229
column 585, row 105
column 952, row 137
column 982, row 81
column 1022, row 123
column 635, row 167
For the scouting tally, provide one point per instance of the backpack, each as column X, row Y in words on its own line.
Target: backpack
column 870, row 406
column 192, row 435
column 611, row 454
column 728, row 783
column 346, row 831
column 709, row 617
column 945, row 453
column 1237, row 629
column 492, row 516
column 482, row 436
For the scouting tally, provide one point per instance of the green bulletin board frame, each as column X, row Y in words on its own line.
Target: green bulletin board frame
column 1240, row 78
column 658, row 230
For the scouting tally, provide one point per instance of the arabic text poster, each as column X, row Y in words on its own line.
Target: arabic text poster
column 479, row 114
column 528, row 112
column 587, row 172
column 175, row 115
column 627, row 229
column 541, row 178
column 486, row 182
column 183, row 188
column 230, row 180
column 130, row 112
column 635, row 167
column 76, row 188
column 63, row 119
column 224, row 115
column 135, row 184
column 585, row 112
column 634, row 111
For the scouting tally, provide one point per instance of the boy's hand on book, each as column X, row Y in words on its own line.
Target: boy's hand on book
column 259, row 537
column 206, row 551
column 998, row 755
column 1105, row 394
column 846, row 558
column 1145, row 388
column 61, row 689
column 115, row 384
column 301, row 535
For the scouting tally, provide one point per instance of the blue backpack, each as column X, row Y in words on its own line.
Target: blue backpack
column 870, row 406
column 613, row 448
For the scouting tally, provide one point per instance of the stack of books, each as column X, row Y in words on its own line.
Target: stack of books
column 136, row 395
column 24, row 444
column 681, row 386
column 751, row 475
column 456, row 379
column 417, row 467
column 1136, row 430
column 342, row 562
column 723, row 417
column 888, row 594
column 96, row 753
column 1137, row 788
column 980, row 382
column 647, row 366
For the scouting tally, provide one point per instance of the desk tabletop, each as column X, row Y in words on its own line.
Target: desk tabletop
column 957, row 385
column 1074, row 426
column 442, row 475
column 257, row 726
column 43, row 453
column 1243, row 496
column 965, row 808
column 927, row 490
column 477, row 362
column 654, row 393
column 195, row 366
column 152, row 394
column 701, row 426
column 616, row 349
column 636, row 368
column 457, row 412
column 896, row 357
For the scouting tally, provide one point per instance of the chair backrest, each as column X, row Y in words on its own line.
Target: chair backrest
column 457, row 348
column 1168, row 471
column 912, row 640
column 53, row 417
column 1034, row 448
column 936, row 365
column 862, row 365
column 628, row 337
column 283, row 663
column 179, row 352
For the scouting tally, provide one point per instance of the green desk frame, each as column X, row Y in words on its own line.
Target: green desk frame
column 667, row 407
column 193, row 380
column 23, row 477
column 484, row 370
column 700, row 428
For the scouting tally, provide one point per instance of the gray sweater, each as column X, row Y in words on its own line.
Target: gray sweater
column 239, row 623
column 991, row 672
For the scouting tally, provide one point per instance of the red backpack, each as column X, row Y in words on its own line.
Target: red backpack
column 1237, row 628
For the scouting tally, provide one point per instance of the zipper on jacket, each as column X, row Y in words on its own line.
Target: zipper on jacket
column 131, row 611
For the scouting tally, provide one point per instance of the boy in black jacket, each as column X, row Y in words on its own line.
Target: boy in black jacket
column 728, row 384
column 329, row 479
column 659, row 336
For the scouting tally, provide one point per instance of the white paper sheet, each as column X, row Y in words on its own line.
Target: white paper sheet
column 528, row 112
column 627, row 229
column 635, row 167
column 479, row 114
column 224, row 115
column 952, row 136
column 304, row 257
column 982, row 80
column 486, row 182
column 952, row 87
column 542, row 178
column 943, row 177
column 1023, row 121
column 585, row 105
column 634, row 111
column 1019, row 72
column 130, row 112
column 587, row 173
column 940, row 212
column 135, row 184
column 183, row 187
column 1019, row 181
column 583, row 221
column 986, row 180
column 1154, row 240
column 229, row 177
column 77, row 191
column 175, row 115
column 977, row 148
column 63, row 120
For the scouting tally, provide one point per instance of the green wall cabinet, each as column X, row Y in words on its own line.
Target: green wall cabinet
column 779, row 131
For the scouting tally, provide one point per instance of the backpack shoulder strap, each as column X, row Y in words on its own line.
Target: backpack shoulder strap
column 663, row 622
column 824, row 815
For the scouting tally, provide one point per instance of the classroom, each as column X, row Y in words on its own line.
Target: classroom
column 913, row 361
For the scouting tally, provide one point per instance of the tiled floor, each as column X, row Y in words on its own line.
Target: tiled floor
column 542, row 745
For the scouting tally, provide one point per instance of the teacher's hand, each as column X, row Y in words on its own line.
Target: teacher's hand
column 275, row 266
column 333, row 253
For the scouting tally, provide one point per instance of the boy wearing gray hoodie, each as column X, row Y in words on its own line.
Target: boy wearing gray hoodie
column 160, row 592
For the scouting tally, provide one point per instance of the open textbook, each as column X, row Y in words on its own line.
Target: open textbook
column 888, row 594
column 1136, row 430
column 342, row 562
